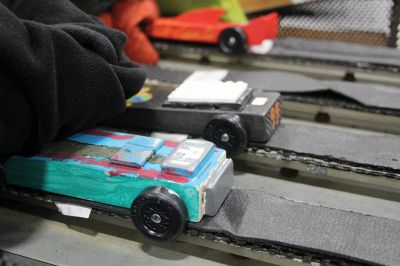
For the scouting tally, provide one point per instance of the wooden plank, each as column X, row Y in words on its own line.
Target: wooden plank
column 361, row 37
column 250, row 6
column 322, row 69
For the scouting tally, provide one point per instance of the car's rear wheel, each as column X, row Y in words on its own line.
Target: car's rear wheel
column 227, row 132
column 232, row 41
column 159, row 213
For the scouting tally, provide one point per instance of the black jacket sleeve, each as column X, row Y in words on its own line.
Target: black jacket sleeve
column 60, row 71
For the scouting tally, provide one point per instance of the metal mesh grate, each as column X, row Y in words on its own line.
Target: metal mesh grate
column 359, row 21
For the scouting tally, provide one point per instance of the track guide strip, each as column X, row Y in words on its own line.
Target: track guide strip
column 355, row 160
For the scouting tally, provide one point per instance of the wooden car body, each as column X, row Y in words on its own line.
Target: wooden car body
column 113, row 168
column 205, row 26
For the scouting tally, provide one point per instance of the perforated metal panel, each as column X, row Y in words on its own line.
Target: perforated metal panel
column 370, row 22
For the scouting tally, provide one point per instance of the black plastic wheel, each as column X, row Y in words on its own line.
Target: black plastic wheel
column 159, row 213
column 232, row 41
column 227, row 132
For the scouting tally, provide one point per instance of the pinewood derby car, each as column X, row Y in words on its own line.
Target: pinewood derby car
column 229, row 114
column 163, row 183
column 205, row 26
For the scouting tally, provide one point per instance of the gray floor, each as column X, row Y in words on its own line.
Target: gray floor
column 56, row 243
column 9, row 259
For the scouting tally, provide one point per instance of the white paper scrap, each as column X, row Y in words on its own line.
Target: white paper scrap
column 207, row 75
column 74, row 210
column 262, row 48
column 296, row 2
column 208, row 92
column 169, row 136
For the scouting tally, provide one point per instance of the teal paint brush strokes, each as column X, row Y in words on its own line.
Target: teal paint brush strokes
column 99, row 183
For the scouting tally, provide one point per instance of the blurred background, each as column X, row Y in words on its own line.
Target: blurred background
column 369, row 22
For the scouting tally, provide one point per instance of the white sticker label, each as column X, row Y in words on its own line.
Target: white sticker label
column 187, row 154
column 207, row 75
column 208, row 92
column 259, row 101
column 73, row 210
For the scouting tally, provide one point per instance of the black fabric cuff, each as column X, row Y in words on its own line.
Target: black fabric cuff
column 16, row 118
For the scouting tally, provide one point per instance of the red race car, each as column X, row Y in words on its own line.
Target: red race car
column 205, row 26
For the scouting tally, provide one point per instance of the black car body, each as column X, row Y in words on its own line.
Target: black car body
column 230, row 126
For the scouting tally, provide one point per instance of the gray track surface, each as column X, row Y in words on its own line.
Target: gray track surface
column 366, row 148
column 303, row 50
column 369, row 95
column 277, row 81
column 253, row 215
column 360, row 55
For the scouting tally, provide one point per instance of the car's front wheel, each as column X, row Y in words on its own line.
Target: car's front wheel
column 227, row 132
column 159, row 213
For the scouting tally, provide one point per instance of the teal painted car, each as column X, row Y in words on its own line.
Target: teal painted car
column 163, row 183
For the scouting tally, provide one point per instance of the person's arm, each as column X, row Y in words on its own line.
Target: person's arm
column 47, row 12
column 68, row 75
